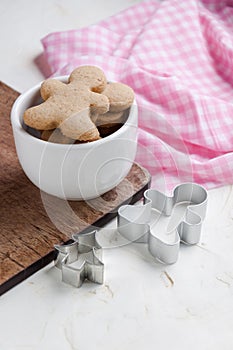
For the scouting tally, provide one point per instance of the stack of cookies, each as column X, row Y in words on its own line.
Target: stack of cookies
column 84, row 109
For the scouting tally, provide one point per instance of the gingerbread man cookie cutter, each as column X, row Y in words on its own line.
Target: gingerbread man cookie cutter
column 86, row 251
column 134, row 221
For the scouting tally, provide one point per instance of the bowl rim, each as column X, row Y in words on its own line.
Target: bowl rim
column 17, row 124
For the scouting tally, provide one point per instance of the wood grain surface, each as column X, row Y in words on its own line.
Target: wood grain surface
column 31, row 222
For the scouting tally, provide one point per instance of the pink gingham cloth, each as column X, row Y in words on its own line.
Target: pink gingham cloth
column 177, row 55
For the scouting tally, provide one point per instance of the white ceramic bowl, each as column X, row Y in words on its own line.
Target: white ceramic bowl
column 77, row 171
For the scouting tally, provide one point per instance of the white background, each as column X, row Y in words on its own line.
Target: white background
column 137, row 307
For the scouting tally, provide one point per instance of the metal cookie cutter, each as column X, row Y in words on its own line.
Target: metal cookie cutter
column 134, row 221
column 86, row 251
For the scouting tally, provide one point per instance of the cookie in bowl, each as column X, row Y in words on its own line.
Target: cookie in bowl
column 69, row 155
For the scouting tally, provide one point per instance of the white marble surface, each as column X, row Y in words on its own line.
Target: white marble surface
column 138, row 307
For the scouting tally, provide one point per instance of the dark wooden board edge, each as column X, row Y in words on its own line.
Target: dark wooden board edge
column 39, row 264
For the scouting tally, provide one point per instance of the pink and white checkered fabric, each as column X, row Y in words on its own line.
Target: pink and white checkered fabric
column 177, row 55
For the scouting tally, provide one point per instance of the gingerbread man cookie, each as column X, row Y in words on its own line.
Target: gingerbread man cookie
column 68, row 106
column 120, row 96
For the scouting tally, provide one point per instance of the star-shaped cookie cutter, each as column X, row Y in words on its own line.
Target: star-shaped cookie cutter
column 85, row 250
column 134, row 221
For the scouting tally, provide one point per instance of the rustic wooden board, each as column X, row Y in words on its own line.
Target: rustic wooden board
column 31, row 223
